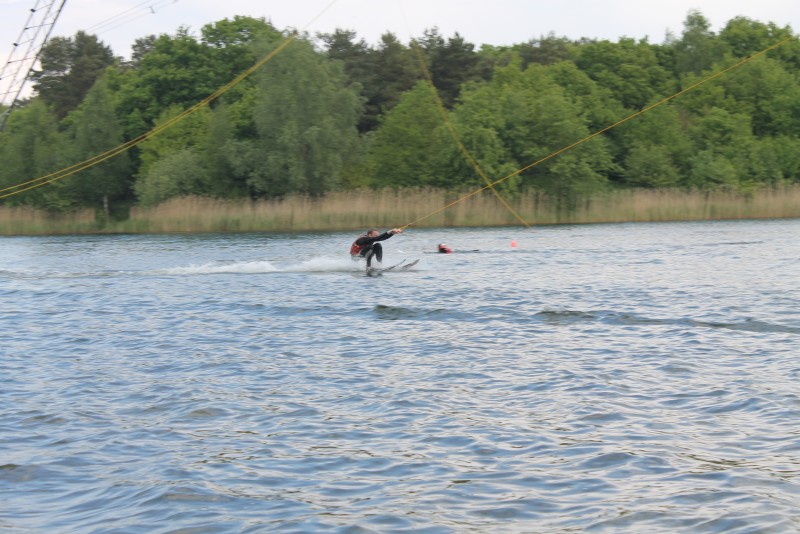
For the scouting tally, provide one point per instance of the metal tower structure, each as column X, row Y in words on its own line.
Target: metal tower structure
column 25, row 53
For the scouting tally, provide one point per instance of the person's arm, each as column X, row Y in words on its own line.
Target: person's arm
column 361, row 241
column 385, row 235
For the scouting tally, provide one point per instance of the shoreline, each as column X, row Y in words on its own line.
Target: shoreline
column 419, row 208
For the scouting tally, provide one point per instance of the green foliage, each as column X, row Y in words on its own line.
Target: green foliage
column 404, row 150
column 524, row 116
column 596, row 103
column 547, row 50
column 69, row 68
column 768, row 94
column 305, row 115
column 656, row 148
column 180, row 173
column 629, row 69
column 175, row 71
column 189, row 132
column 698, row 48
column 721, row 130
column 451, row 63
column 742, row 37
column 352, row 115
column 229, row 45
column 390, row 70
column 357, row 60
column 393, row 70
column 651, row 165
column 381, row 74
column 30, row 148
column 710, row 169
column 93, row 129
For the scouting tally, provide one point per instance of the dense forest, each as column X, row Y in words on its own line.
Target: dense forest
column 331, row 113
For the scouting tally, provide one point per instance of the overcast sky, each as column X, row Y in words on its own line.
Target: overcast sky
column 118, row 23
column 498, row 22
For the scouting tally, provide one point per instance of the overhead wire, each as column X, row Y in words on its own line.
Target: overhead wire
column 145, row 9
column 112, row 18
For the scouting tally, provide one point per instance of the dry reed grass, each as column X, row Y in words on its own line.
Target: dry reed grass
column 418, row 207
column 427, row 208
column 29, row 221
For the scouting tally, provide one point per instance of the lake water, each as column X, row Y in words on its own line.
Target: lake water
column 604, row 378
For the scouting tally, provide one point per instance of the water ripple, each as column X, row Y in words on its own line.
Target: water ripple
column 220, row 384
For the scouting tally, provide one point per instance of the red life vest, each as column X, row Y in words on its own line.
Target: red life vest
column 355, row 249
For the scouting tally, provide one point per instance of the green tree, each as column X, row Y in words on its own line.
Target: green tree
column 140, row 48
column 761, row 164
column 197, row 141
column 768, row 93
column 177, row 70
column 230, row 45
column 189, row 132
column 393, row 70
column 629, row 69
column 698, row 48
column 593, row 102
column 546, row 50
column 222, row 179
column 711, row 169
column 69, row 69
column 521, row 117
column 341, row 45
column 780, row 159
column 743, row 36
column 405, row 150
column 92, row 130
column 720, row 129
column 451, row 63
column 180, row 173
column 306, row 115
column 650, row 165
column 358, row 62
column 720, row 139
column 661, row 132
column 30, row 148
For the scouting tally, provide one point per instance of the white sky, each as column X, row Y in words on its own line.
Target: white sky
column 118, row 23
column 499, row 22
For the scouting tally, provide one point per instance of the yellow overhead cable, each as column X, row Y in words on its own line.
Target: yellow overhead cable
column 443, row 112
column 63, row 173
column 598, row 132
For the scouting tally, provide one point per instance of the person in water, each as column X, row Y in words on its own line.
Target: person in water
column 367, row 246
column 444, row 249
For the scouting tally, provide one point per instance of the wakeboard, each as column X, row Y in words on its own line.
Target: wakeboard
column 377, row 271
column 410, row 265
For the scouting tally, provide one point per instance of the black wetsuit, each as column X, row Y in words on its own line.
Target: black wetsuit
column 371, row 247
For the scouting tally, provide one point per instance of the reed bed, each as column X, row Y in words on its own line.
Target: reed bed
column 16, row 220
column 661, row 205
column 416, row 207
column 437, row 208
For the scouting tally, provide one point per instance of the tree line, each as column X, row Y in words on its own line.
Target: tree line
column 333, row 113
